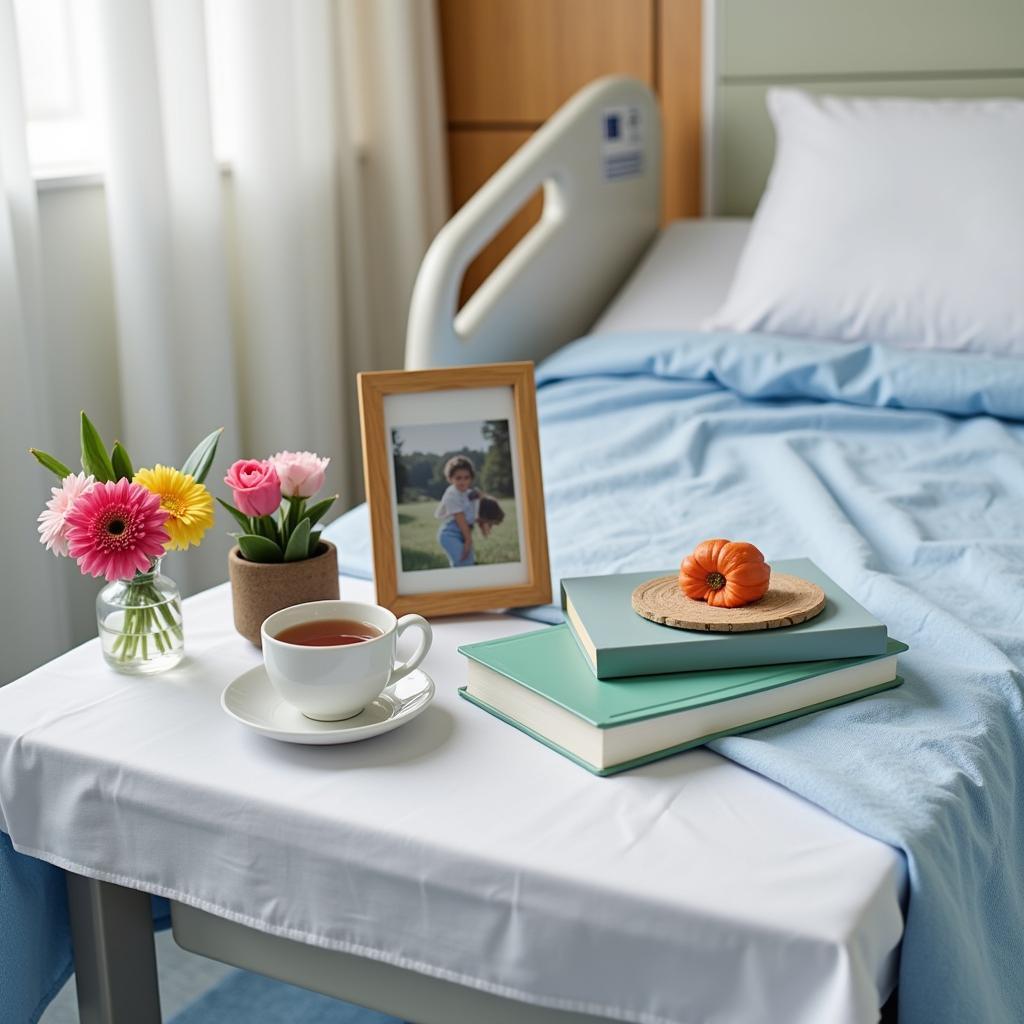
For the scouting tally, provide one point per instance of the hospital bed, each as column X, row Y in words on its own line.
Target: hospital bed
column 821, row 897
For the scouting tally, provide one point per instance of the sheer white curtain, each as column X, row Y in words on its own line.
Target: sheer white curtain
column 246, row 296
column 33, row 608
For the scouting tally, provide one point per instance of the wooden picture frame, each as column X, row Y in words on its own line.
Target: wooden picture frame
column 432, row 410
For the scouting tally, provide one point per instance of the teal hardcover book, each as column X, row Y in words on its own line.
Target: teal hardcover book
column 617, row 642
column 540, row 683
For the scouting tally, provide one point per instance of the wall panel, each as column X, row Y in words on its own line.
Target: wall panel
column 473, row 156
column 509, row 64
column 679, row 71
column 518, row 60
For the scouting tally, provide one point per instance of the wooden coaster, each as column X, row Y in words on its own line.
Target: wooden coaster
column 789, row 600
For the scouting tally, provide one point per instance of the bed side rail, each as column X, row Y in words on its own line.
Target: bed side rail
column 598, row 159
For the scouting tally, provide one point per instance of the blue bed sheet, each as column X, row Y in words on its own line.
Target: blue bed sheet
column 902, row 475
column 35, row 941
column 35, row 934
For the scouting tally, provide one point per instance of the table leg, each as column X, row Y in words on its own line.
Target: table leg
column 115, row 958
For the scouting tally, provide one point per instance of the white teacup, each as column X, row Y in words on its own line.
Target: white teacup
column 329, row 684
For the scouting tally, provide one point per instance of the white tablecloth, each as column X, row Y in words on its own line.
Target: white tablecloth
column 689, row 890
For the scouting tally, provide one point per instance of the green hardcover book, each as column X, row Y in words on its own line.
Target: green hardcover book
column 617, row 642
column 539, row 683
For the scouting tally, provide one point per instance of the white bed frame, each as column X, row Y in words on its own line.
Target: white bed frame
column 547, row 291
column 553, row 285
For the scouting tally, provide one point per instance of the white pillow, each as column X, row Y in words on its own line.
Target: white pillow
column 892, row 220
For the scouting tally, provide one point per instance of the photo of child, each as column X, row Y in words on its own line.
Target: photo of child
column 455, row 495
column 460, row 509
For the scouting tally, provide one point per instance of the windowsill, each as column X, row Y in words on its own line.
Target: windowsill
column 89, row 174
column 52, row 179
column 83, row 175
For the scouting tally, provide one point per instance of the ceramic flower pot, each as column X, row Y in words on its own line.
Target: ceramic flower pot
column 259, row 589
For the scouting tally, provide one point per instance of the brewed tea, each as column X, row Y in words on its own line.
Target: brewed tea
column 328, row 633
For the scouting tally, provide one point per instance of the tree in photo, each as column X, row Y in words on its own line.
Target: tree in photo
column 401, row 474
column 496, row 473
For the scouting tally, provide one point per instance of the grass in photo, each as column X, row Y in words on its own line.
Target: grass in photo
column 420, row 549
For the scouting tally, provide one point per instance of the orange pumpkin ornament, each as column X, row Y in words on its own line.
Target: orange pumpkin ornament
column 725, row 573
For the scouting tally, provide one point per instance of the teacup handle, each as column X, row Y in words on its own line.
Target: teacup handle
column 420, row 653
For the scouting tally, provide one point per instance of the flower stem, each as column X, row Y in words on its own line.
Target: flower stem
column 148, row 615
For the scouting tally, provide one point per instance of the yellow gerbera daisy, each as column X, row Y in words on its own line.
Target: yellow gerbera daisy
column 189, row 504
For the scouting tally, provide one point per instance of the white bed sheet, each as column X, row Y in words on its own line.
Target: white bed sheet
column 682, row 279
column 684, row 891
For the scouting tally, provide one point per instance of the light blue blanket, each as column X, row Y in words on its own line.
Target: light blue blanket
column 35, row 942
column 902, row 475
column 35, row 935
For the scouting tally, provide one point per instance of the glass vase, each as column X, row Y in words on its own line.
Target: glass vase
column 140, row 623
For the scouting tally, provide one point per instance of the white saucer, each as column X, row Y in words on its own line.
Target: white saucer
column 251, row 700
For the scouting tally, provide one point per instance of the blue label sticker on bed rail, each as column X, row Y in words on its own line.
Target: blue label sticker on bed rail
column 622, row 149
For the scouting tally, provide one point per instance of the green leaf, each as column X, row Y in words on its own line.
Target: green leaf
column 95, row 459
column 266, row 527
column 315, row 512
column 294, row 514
column 240, row 518
column 258, row 549
column 314, row 543
column 198, row 464
column 121, row 463
column 52, row 464
column 298, row 543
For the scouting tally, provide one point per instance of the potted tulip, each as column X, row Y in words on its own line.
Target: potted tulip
column 280, row 559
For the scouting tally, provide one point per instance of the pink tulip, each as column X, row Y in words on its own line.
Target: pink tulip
column 301, row 473
column 255, row 486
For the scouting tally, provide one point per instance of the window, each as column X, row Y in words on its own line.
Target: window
column 61, row 129
column 59, row 54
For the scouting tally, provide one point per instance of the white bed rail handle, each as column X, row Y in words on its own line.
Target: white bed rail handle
column 598, row 159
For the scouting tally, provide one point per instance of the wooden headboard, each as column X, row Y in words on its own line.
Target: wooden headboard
column 929, row 48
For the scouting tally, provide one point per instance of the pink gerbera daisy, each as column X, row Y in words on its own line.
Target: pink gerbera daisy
column 116, row 530
column 53, row 520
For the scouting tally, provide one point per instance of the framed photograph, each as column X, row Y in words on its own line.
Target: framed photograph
column 453, row 481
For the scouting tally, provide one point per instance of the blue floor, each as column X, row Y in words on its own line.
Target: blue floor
column 244, row 998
